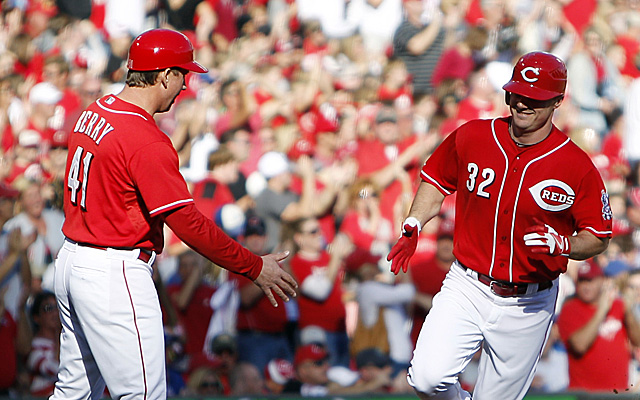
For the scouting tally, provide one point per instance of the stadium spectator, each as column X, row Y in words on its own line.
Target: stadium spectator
column 46, row 224
column 191, row 297
column 596, row 326
column 44, row 357
column 319, row 272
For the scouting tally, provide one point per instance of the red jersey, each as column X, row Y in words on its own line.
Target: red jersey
column 261, row 316
column 605, row 366
column 427, row 277
column 329, row 314
column 122, row 176
column 209, row 195
column 502, row 187
column 8, row 333
column 196, row 316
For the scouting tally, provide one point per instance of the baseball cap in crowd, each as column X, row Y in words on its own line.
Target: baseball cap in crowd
column 313, row 334
column 386, row 114
column 7, row 192
column 371, row 357
column 445, row 229
column 231, row 219
column 588, row 270
column 279, row 370
column 358, row 258
column 255, row 184
column 326, row 119
column 310, row 352
column 29, row 138
column 272, row 164
column 60, row 139
column 301, row 147
column 616, row 267
column 224, row 342
column 255, row 226
column 44, row 93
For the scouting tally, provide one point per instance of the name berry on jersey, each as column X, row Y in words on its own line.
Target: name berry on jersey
column 553, row 195
column 93, row 125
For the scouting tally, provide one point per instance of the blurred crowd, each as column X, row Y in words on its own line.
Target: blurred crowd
column 307, row 135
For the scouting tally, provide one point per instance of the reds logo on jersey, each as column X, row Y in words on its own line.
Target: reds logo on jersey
column 553, row 195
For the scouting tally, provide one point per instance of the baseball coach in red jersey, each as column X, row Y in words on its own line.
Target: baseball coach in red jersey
column 123, row 185
column 528, row 199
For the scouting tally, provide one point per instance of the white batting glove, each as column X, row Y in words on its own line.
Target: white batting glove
column 543, row 239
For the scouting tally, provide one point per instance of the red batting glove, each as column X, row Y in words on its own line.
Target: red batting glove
column 543, row 239
column 404, row 248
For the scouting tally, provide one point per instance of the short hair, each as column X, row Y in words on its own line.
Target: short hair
column 230, row 134
column 226, row 84
column 219, row 157
column 141, row 78
column 146, row 78
column 60, row 61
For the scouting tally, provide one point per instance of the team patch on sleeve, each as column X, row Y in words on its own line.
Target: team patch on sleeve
column 607, row 214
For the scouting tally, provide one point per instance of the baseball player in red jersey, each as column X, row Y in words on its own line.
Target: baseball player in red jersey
column 528, row 199
column 123, row 185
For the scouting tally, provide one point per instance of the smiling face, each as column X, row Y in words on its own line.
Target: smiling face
column 532, row 118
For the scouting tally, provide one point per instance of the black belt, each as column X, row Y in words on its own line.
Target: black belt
column 144, row 256
column 507, row 289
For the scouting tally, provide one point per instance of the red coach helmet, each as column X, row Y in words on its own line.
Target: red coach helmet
column 162, row 48
column 538, row 75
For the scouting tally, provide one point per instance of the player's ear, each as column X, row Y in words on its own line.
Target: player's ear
column 558, row 101
column 164, row 77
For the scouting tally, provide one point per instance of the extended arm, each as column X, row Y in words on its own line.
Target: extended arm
column 205, row 237
column 426, row 205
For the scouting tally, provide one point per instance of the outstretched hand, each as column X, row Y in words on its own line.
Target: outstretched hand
column 273, row 278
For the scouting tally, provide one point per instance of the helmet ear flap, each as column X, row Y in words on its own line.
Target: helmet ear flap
column 507, row 97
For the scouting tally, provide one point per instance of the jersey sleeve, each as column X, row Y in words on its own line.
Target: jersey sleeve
column 441, row 169
column 592, row 210
column 154, row 169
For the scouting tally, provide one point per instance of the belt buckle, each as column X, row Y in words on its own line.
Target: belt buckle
column 502, row 290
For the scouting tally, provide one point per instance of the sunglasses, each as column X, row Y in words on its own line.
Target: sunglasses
column 314, row 231
column 209, row 385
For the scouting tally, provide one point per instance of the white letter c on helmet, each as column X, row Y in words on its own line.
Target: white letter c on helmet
column 536, row 71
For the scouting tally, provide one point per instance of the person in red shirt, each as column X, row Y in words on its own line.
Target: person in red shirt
column 44, row 357
column 123, row 186
column 527, row 200
column 320, row 274
column 213, row 191
column 263, row 330
column 388, row 158
column 43, row 98
column 596, row 326
column 56, row 71
column 191, row 297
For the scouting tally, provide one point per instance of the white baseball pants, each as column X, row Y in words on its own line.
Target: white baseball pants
column 111, row 325
column 467, row 315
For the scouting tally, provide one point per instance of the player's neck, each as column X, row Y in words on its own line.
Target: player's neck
column 526, row 139
column 139, row 97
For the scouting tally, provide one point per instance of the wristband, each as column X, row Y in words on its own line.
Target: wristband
column 412, row 221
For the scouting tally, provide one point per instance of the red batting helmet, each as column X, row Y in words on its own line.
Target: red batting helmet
column 162, row 48
column 538, row 75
